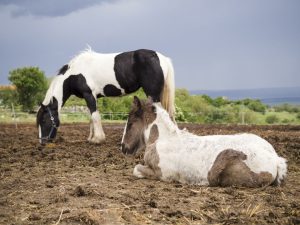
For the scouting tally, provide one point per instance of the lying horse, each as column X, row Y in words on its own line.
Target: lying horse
column 217, row 160
column 91, row 75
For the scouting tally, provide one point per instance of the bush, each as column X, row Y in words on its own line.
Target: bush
column 285, row 121
column 179, row 115
column 287, row 108
column 271, row 119
column 249, row 117
column 220, row 101
column 257, row 106
column 218, row 116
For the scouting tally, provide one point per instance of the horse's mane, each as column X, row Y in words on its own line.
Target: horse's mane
column 164, row 117
column 50, row 92
column 87, row 51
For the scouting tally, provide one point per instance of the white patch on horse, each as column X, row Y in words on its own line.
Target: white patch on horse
column 40, row 134
column 97, row 68
column 98, row 135
column 187, row 158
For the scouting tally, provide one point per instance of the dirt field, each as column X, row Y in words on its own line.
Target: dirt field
column 74, row 182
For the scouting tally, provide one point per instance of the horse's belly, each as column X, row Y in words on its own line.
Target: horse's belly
column 191, row 169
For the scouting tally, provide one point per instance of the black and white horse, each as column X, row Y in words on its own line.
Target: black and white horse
column 91, row 75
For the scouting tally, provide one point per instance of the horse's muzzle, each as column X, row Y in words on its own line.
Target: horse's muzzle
column 126, row 150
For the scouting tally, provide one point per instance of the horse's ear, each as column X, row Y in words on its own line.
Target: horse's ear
column 42, row 106
column 137, row 102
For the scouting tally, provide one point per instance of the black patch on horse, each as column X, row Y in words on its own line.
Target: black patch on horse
column 111, row 90
column 100, row 95
column 63, row 70
column 140, row 68
column 76, row 85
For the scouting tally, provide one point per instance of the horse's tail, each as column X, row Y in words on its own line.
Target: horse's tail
column 167, row 97
column 281, row 171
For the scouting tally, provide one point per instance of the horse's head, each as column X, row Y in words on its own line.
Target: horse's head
column 141, row 115
column 47, row 121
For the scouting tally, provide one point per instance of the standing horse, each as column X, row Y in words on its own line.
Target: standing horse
column 91, row 75
column 215, row 160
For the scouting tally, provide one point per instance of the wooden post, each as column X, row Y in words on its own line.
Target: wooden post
column 14, row 114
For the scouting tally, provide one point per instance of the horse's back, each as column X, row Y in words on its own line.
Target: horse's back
column 124, row 72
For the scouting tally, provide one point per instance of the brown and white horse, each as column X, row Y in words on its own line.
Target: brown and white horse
column 172, row 154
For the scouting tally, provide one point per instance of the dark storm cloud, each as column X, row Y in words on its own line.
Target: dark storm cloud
column 49, row 8
column 214, row 44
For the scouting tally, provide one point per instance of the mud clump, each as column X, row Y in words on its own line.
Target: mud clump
column 79, row 192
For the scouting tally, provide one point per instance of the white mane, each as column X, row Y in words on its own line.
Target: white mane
column 164, row 117
column 55, row 90
column 166, row 126
column 49, row 95
column 84, row 53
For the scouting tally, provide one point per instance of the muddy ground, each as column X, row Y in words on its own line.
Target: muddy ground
column 74, row 182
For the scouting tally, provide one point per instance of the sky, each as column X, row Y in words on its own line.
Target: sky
column 213, row 44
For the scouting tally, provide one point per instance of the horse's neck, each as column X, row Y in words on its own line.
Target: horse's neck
column 166, row 127
column 55, row 90
column 169, row 130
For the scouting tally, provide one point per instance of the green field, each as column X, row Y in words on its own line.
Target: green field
column 199, row 109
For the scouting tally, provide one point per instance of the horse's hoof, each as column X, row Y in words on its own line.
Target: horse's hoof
column 96, row 140
column 137, row 173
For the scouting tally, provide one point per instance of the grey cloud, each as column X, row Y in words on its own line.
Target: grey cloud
column 48, row 8
column 213, row 44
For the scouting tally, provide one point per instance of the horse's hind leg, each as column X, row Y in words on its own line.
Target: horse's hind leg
column 220, row 163
column 229, row 169
column 96, row 131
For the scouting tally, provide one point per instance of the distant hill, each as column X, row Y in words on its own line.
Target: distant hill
column 270, row 96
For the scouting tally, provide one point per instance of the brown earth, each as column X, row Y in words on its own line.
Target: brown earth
column 74, row 182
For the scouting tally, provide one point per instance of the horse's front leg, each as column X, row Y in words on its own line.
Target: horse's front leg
column 91, row 135
column 96, row 131
column 142, row 171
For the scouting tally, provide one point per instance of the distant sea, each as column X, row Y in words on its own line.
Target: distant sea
column 269, row 96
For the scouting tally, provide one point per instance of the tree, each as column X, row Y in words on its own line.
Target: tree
column 31, row 86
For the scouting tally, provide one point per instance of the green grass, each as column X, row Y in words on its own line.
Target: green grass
column 283, row 118
column 256, row 118
column 21, row 117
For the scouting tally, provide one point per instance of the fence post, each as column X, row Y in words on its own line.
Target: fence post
column 14, row 113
